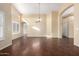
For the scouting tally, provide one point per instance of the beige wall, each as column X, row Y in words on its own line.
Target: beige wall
column 76, row 26
column 41, row 25
column 52, row 24
column 6, row 9
column 49, row 25
column 16, row 16
column 55, row 24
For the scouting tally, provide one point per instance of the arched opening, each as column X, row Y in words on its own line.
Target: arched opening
column 68, row 23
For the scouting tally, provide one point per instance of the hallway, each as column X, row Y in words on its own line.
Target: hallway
column 32, row 46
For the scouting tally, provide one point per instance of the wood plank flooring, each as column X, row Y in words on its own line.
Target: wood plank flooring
column 40, row 46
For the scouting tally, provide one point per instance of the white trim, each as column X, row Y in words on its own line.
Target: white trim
column 49, row 36
column 36, row 36
column 5, row 46
column 18, row 28
column 3, row 24
column 76, row 44
column 15, row 36
column 1, row 39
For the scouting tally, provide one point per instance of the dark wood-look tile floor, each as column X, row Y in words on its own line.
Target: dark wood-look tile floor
column 30, row 46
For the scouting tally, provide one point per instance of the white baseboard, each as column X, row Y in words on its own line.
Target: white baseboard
column 49, row 36
column 36, row 36
column 5, row 46
column 15, row 37
column 76, row 45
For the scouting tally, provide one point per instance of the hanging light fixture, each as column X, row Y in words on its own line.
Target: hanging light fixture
column 39, row 18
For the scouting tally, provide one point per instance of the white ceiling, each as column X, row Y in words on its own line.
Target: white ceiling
column 33, row 8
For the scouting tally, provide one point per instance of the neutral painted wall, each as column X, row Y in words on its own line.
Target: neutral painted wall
column 76, row 26
column 41, row 25
column 16, row 16
column 55, row 24
column 6, row 9
column 52, row 24
column 49, row 25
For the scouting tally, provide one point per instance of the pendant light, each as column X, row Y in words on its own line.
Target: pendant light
column 39, row 18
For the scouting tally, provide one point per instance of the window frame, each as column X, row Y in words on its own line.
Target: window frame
column 17, row 26
column 2, row 25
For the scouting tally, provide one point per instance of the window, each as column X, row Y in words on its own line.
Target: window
column 15, row 27
column 1, row 25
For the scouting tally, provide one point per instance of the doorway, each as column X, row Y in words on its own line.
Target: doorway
column 68, row 27
column 68, row 23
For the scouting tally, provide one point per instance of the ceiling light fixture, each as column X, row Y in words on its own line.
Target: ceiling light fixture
column 39, row 18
